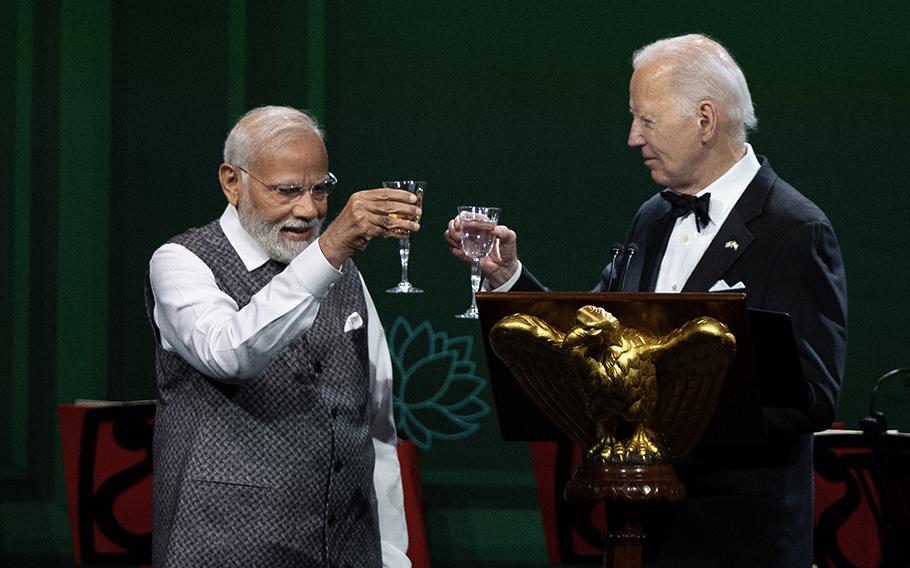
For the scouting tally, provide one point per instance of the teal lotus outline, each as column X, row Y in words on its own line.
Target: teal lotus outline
column 421, row 354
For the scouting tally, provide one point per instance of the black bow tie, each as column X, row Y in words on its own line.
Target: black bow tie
column 682, row 205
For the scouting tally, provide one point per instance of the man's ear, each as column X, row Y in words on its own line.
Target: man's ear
column 707, row 120
column 229, row 176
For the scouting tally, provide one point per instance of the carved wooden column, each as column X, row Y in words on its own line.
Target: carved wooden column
column 630, row 494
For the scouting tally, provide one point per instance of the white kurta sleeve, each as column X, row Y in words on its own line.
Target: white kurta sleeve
column 205, row 326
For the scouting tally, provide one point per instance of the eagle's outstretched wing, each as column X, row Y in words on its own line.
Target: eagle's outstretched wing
column 532, row 349
column 692, row 362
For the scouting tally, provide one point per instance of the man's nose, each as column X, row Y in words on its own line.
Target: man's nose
column 305, row 207
column 635, row 137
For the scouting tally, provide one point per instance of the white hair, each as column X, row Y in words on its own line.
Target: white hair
column 264, row 129
column 703, row 69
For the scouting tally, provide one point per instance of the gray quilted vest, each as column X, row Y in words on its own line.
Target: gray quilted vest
column 278, row 471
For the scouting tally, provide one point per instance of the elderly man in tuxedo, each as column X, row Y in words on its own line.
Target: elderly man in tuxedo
column 274, row 437
column 725, row 221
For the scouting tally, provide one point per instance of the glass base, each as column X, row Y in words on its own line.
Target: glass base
column 469, row 314
column 404, row 288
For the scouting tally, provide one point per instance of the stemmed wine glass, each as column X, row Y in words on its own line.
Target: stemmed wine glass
column 477, row 224
column 404, row 244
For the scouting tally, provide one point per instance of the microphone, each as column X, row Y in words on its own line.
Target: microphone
column 614, row 252
column 631, row 249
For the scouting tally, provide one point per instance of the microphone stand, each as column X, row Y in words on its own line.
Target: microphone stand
column 894, row 526
column 631, row 249
column 615, row 252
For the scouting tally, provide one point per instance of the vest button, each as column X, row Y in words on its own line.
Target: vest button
column 331, row 521
column 317, row 367
column 338, row 466
column 335, row 412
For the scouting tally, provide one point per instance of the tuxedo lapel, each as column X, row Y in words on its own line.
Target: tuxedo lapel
column 658, row 233
column 733, row 238
column 728, row 245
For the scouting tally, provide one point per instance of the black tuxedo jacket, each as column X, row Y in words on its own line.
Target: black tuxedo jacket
column 753, row 506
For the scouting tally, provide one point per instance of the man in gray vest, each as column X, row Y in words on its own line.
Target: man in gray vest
column 274, row 436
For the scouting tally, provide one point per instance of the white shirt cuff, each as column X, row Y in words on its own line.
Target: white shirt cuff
column 507, row 285
column 313, row 272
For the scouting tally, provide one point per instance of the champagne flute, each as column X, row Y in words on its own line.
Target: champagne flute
column 404, row 244
column 477, row 224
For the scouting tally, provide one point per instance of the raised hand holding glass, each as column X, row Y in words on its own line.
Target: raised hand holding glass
column 477, row 224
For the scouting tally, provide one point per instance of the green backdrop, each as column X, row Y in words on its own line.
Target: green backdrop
column 112, row 116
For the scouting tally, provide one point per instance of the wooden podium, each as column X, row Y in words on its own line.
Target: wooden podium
column 632, row 495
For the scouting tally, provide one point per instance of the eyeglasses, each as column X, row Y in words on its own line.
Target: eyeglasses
column 289, row 192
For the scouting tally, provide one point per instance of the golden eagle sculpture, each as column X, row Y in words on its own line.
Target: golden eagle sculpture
column 624, row 395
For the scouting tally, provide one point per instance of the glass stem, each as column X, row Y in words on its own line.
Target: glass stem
column 475, row 282
column 404, row 251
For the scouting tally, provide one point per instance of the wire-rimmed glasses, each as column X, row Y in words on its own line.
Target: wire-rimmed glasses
column 287, row 192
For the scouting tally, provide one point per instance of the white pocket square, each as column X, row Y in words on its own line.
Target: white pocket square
column 353, row 322
column 722, row 286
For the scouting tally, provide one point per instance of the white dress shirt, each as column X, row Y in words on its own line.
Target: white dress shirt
column 687, row 245
column 205, row 327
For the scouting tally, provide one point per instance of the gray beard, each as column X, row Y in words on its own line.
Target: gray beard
column 268, row 233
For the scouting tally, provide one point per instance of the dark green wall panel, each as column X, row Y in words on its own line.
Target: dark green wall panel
column 7, row 218
column 169, row 118
column 276, row 54
column 83, row 205
column 42, row 264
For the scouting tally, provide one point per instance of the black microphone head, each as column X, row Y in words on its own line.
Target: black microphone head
column 631, row 249
column 616, row 249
